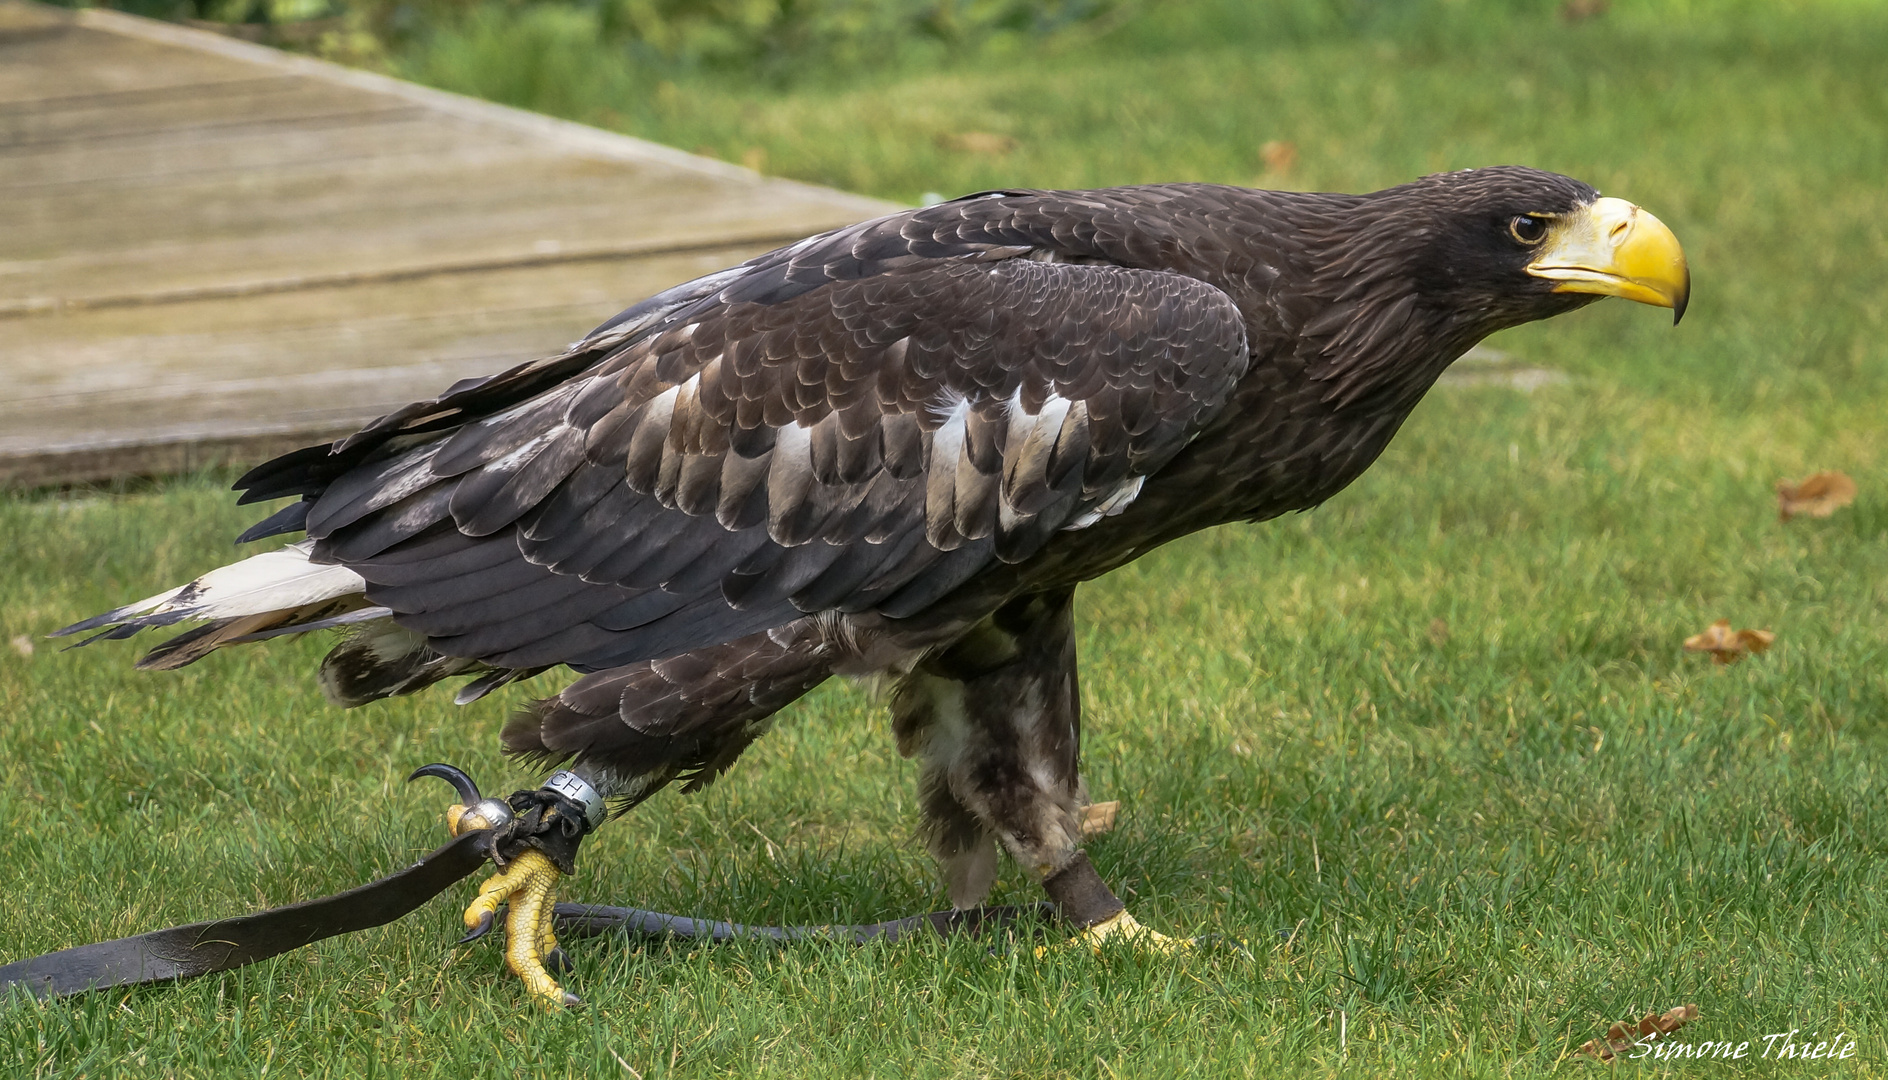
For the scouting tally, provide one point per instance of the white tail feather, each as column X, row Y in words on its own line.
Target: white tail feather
column 278, row 580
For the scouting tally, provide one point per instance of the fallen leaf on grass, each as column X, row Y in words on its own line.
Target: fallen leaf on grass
column 980, row 142
column 1650, row 1028
column 1280, row 157
column 1816, row 496
column 1098, row 818
column 22, row 645
column 1581, row 10
column 1728, row 646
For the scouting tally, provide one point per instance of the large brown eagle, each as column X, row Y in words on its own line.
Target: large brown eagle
column 891, row 449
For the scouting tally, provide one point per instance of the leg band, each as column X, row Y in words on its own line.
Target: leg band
column 1080, row 895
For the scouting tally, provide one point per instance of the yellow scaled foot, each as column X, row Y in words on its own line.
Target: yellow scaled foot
column 1123, row 930
column 529, row 886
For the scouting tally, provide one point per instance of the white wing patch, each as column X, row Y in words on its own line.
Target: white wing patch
column 1113, row 503
column 1031, row 440
column 789, row 476
column 941, row 475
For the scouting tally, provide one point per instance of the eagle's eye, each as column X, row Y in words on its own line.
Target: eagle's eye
column 1527, row 228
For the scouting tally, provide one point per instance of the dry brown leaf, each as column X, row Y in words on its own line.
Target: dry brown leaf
column 1650, row 1028
column 1098, row 818
column 22, row 645
column 980, row 142
column 1728, row 646
column 1280, row 157
column 1439, row 632
column 1575, row 11
column 1817, row 496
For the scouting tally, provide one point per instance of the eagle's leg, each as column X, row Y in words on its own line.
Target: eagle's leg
column 535, row 833
column 995, row 720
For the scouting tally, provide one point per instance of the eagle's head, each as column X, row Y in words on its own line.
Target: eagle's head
column 1413, row 275
column 1523, row 244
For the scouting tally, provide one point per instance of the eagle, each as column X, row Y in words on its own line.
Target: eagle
column 892, row 450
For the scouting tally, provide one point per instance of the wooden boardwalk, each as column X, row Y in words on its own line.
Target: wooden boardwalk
column 210, row 250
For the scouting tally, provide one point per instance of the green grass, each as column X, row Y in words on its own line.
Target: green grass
column 1442, row 728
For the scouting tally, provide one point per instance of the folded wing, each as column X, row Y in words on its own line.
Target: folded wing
column 843, row 426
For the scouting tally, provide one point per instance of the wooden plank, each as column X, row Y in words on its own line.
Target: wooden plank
column 312, row 362
column 362, row 226
column 330, row 182
column 24, row 19
column 158, row 114
column 210, row 250
column 87, row 62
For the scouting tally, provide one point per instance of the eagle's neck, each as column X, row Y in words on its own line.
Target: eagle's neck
column 1344, row 345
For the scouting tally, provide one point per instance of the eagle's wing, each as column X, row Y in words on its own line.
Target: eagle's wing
column 868, row 444
column 773, row 441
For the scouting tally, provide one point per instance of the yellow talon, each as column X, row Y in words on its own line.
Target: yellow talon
column 547, row 936
column 529, row 885
column 1122, row 929
column 500, row 887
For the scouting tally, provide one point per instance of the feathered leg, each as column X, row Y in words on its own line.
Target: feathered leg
column 996, row 721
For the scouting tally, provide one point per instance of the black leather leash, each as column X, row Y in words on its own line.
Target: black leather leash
column 200, row 948
column 591, row 920
column 183, row 952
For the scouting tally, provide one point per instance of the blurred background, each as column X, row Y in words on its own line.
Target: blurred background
column 898, row 98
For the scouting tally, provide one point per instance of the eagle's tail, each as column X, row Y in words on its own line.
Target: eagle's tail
column 282, row 592
column 276, row 592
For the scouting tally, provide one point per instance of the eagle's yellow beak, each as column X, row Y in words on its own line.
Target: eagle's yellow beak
column 1613, row 248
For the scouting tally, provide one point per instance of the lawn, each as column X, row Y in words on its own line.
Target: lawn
column 1440, row 733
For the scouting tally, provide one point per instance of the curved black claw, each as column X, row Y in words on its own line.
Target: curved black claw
column 461, row 783
column 483, row 928
column 558, row 960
